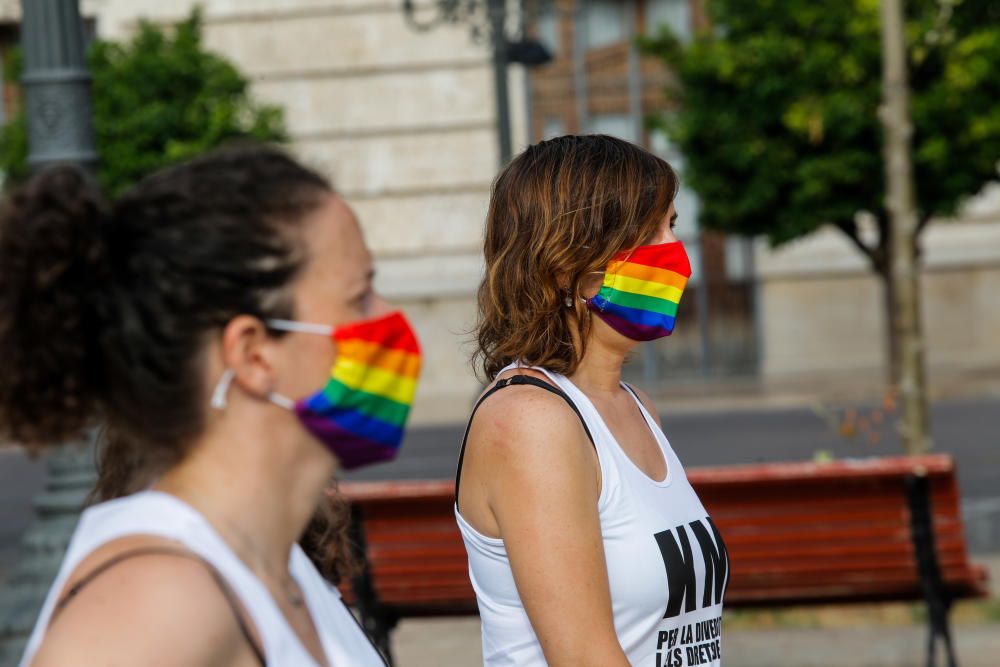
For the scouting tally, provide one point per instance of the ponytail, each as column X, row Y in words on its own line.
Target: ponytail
column 52, row 265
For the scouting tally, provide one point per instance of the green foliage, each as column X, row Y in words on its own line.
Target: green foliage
column 778, row 101
column 158, row 99
column 14, row 149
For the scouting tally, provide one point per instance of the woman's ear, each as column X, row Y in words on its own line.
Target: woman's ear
column 591, row 283
column 248, row 352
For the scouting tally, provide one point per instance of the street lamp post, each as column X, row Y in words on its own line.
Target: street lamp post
column 497, row 11
column 60, row 130
column 487, row 17
column 56, row 84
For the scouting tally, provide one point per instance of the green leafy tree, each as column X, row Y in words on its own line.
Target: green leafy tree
column 158, row 99
column 777, row 115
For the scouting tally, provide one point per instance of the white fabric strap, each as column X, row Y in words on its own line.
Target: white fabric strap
column 281, row 401
column 219, row 400
column 301, row 327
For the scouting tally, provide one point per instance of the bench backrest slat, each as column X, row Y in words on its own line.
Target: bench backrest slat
column 796, row 533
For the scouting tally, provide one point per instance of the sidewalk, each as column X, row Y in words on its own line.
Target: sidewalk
column 455, row 643
column 863, row 636
column 809, row 391
column 704, row 395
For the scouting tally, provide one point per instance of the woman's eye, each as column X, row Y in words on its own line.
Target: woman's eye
column 363, row 301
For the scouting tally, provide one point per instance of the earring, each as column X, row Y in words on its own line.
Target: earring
column 219, row 395
column 569, row 299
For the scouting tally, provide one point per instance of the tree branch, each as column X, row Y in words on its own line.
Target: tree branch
column 850, row 228
column 923, row 222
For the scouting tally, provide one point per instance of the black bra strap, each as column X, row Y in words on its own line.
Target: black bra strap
column 506, row 382
column 226, row 589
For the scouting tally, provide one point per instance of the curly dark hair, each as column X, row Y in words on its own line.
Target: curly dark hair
column 105, row 307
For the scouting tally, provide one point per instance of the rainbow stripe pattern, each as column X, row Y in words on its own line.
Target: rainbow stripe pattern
column 642, row 289
column 361, row 412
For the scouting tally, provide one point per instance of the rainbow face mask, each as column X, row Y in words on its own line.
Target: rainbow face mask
column 642, row 289
column 360, row 413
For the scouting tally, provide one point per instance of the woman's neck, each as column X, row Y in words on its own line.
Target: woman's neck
column 600, row 369
column 259, row 493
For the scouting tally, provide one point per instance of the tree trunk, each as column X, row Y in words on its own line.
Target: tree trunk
column 893, row 335
column 881, row 261
column 903, row 269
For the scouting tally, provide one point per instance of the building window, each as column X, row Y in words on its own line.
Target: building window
column 614, row 124
column 686, row 202
column 547, row 27
column 605, row 24
column 686, row 207
column 660, row 144
column 673, row 14
column 739, row 259
column 553, row 127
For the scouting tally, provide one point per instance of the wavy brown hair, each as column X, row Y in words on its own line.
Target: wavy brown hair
column 559, row 212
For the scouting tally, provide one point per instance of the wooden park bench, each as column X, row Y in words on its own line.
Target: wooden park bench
column 797, row 533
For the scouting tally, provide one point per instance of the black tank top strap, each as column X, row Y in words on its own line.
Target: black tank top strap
column 220, row 581
column 632, row 391
column 507, row 382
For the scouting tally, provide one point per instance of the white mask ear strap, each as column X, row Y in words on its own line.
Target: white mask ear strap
column 219, row 401
column 281, row 401
column 300, row 327
column 221, row 389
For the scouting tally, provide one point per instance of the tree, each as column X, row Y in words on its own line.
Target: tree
column 777, row 117
column 158, row 99
column 904, row 279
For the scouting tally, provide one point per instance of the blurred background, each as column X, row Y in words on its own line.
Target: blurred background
column 786, row 348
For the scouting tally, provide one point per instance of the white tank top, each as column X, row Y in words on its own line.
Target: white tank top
column 163, row 515
column 667, row 565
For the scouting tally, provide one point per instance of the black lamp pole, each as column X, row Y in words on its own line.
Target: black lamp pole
column 497, row 10
column 56, row 84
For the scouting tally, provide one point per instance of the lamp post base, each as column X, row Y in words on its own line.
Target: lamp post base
column 71, row 477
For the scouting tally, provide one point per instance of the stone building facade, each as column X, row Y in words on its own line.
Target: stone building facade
column 404, row 122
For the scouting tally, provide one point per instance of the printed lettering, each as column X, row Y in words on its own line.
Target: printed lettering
column 716, row 561
column 679, row 563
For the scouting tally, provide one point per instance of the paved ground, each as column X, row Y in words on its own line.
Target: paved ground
column 456, row 643
column 863, row 636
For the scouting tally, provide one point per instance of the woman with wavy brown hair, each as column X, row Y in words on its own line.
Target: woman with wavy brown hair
column 587, row 545
column 219, row 321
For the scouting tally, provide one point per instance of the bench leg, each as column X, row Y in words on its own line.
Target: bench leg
column 938, row 602
column 939, row 628
column 377, row 622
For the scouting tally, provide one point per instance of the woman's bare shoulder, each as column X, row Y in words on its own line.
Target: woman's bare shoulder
column 518, row 414
column 158, row 607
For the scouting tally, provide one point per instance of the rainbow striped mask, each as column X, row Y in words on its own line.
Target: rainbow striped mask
column 360, row 413
column 642, row 289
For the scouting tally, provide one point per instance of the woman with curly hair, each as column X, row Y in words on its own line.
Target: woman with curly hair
column 219, row 322
column 587, row 545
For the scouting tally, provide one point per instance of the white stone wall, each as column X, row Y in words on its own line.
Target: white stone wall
column 822, row 310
